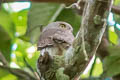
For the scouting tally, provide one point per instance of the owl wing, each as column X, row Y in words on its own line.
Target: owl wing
column 63, row 36
column 46, row 39
column 51, row 36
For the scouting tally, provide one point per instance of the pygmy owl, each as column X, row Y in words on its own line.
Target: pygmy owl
column 55, row 39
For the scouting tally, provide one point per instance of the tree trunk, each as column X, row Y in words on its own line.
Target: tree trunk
column 86, row 43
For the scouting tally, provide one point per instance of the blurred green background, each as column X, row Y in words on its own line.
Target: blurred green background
column 19, row 31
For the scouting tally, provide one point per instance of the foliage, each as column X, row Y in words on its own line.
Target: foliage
column 113, row 37
column 14, row 32
column 20, row 21
column 5, row 75
column 17, row 28
column 111, row 62
column 49, row 12
column 7, row 31
column 116, row 16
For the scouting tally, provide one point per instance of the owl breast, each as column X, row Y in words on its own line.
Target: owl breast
column 46, row 57
column 51, row 51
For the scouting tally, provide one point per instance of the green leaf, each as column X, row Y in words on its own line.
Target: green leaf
column 21, row 52
column 20, row 20
column 7, row 23
column 9, row 77
column 68, row 15
column 41, row 13
column 98, row 69
column 33, row 60
column 117, row 18
column 5, row 43
column 3, row 72
column 6, row 75
column 7, row 31
column 112, row 35
column 117, row 2
column 111, row 63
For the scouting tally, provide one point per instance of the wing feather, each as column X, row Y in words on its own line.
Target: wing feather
column 51, row 36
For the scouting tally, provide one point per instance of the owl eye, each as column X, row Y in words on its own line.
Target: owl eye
column 62, row 25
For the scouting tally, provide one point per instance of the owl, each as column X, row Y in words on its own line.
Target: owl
column 54, row 40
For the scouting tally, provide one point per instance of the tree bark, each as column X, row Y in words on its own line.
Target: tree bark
column 89, row 35
column 74, row 62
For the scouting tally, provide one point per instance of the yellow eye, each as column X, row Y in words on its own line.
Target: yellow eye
column 62, row 25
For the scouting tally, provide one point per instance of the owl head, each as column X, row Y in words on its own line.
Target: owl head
column 59, row 25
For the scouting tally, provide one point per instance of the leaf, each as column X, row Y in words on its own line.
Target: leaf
column 3, row 72
column 112, row 35
column 7, row 31
column 114, row 50
column 111, row 63
column 7, row 23
column 21, row 52
column 6, row 75
column 98, row 69
column 68, row 15
column 5, row 43
column 41, row 13
column 20, row 20
column 117, row 2
column 33, row 60
column 9, row 77
column 117, row 18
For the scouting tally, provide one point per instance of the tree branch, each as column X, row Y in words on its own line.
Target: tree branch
column 88, row 37
column 74, row 62
column 18, row 72
column 115, row 9
column 86, row 42
column 3, row 60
